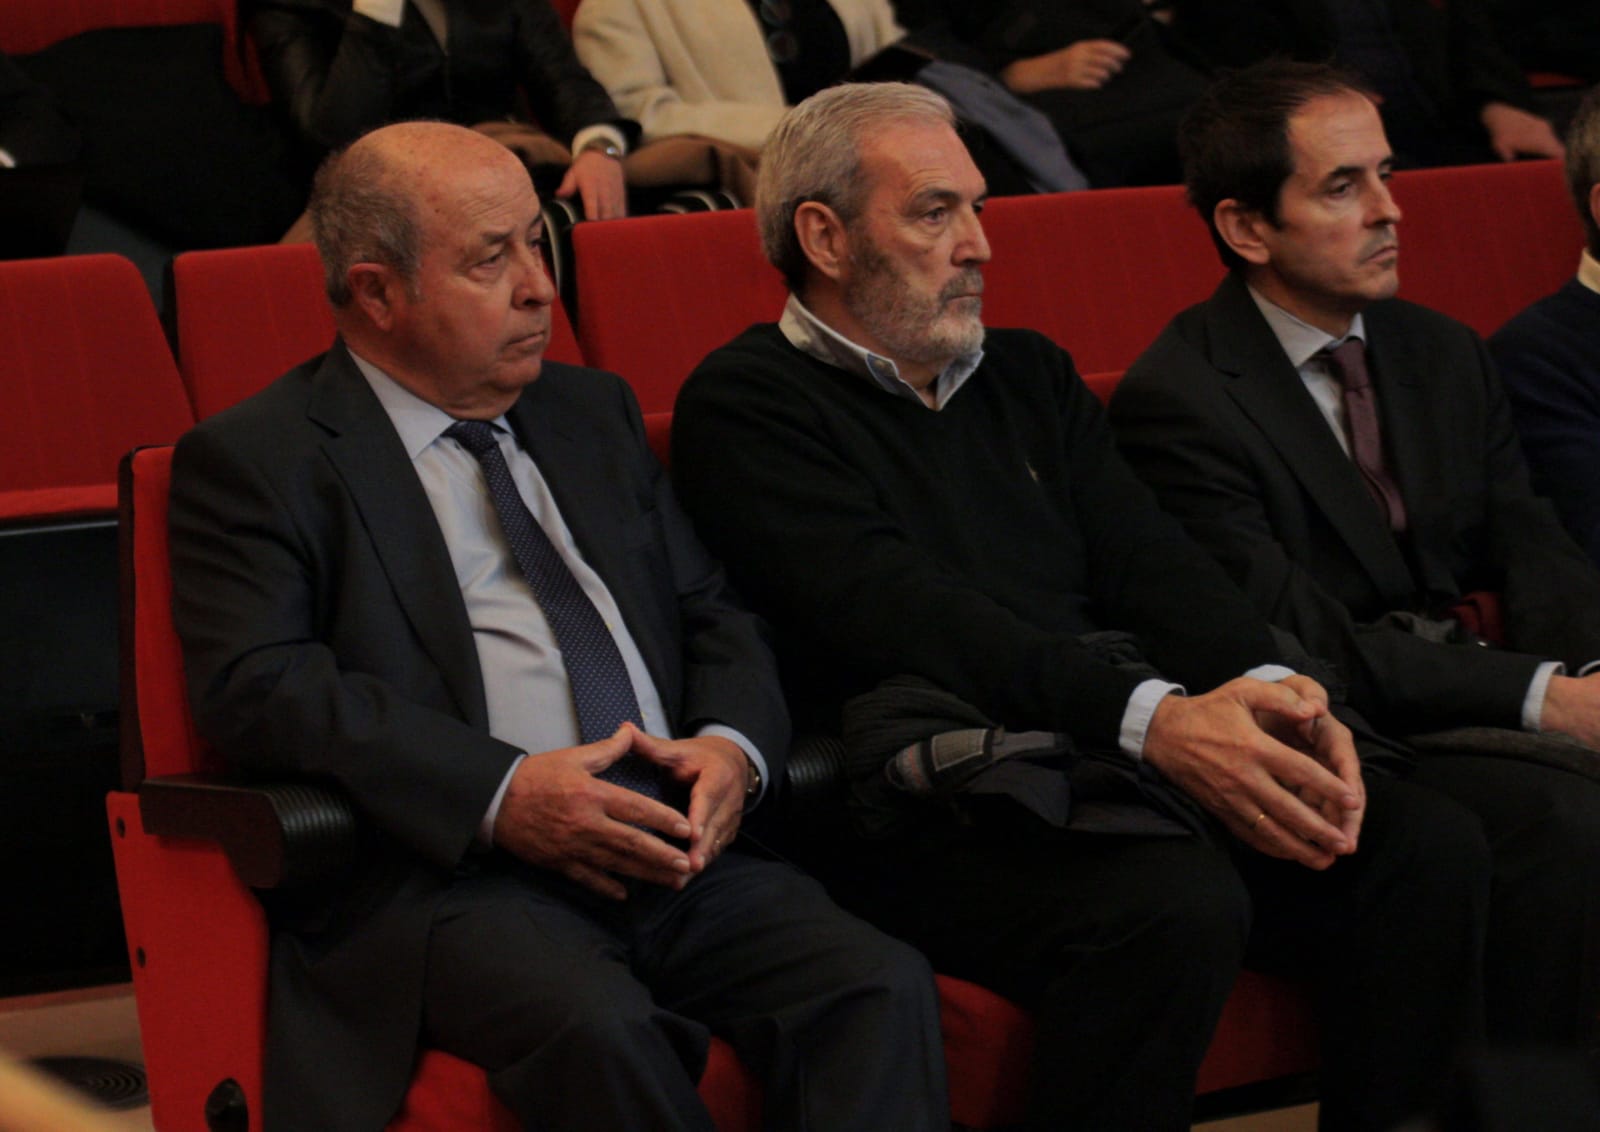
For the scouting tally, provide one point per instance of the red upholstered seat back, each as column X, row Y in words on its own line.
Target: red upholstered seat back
column 1480, row 242
column 658, row 293
column 244, row 316
column 1099, row 272
column 32, row 25
column 87, row 376
column 158, row 734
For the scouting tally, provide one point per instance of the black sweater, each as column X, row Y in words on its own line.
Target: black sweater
column 971, row 546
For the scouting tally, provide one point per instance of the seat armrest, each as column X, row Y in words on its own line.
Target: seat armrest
column 275, row 834
column 816, row 772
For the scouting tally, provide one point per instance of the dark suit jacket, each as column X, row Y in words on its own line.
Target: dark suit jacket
column 338, row 74
column 324, row 634
column 1217, row 420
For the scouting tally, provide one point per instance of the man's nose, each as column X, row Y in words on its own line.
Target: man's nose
column 535, row 287
column 973, row 246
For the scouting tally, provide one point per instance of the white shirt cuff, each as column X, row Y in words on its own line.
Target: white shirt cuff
column 751, row 752
column 1533, row 702
column 1271, row 673
column 485, row 839
column 588, row 134
column 1140, row 710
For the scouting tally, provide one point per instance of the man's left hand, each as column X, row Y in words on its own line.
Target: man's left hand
column 1328, row 741
column 597, row 179
column 716, row 771
column 1516, row 133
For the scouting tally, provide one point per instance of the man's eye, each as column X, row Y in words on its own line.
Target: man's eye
column 490, row 261
column 936, row 215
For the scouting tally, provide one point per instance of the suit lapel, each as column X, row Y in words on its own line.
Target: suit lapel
column 1407, row 435
column 371, row 461
column 1269, row 391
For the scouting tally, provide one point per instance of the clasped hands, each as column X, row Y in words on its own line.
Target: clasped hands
column 557, row 814
column 1269, row 761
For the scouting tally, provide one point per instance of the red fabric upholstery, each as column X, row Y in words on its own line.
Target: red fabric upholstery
column 658, row 431
column 244, row 316
column 449, row 1095
column 87, row 377
column 58, row 502
column 1480, row 242
column 655, row 294
column 32, row 25
column 29, row 25
column 1102, row 385
column 165, row 731
column 1099, row 272
column 566, row 9
column 1265, row 1032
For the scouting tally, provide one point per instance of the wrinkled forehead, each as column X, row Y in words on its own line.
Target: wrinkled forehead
column 904, row 160
column 461, row 205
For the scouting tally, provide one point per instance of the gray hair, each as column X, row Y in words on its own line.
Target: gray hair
column 815, row 155
column 1583, row 161
column 361, row 213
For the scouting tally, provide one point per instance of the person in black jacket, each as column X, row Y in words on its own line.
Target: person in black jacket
column 1450, row 92
column 342, row 67
column 1106, row 72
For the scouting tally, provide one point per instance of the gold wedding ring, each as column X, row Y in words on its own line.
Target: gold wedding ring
column 1259, row 818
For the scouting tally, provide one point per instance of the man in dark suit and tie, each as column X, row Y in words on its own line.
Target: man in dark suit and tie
column 1349, row 459
column 451, row 579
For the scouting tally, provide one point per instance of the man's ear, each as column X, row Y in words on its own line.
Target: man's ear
column 1594, row 202
column 822, row 237
column 373, row 288
column 1241, row 229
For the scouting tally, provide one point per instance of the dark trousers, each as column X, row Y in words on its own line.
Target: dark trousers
column 1126, row 948
column 1543, row 828
column 595, row 1015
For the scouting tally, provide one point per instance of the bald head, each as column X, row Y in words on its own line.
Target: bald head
column 372, row 201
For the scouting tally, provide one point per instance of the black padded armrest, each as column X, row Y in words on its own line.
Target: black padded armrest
column 816, row 780
column 275, row 834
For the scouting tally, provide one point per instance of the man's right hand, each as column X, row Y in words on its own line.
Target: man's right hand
column 1088, row 64
column 1572, row 707
column 1271, row 796
column 558, row 815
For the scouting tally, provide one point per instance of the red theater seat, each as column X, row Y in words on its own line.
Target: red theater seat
column 1099, row 272
column 243, row 316
column 186, row 852
column 27, row 26
column 1480, row 242
column 87, row 376
column 655, row 294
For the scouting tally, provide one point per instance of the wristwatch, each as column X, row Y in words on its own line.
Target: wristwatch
column 604, row 146
column 752, row 778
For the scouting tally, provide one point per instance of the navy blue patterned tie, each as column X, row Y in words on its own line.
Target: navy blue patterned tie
column 602, row 693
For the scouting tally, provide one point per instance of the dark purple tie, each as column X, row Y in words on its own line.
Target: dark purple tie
column 602, row 692
column 1348, row 361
